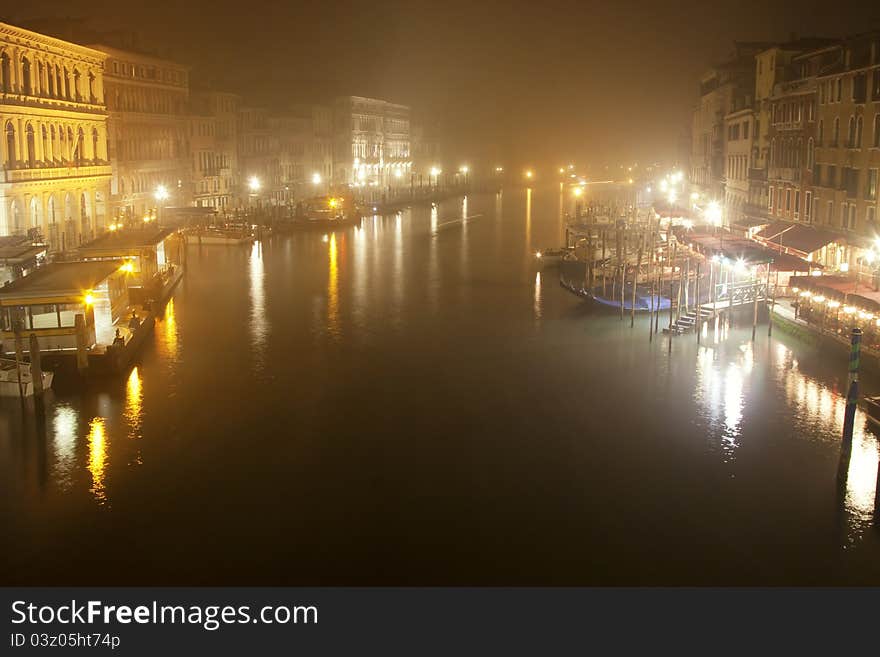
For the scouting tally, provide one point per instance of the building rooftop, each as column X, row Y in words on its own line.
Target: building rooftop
column 128, row 238
column 61, row 278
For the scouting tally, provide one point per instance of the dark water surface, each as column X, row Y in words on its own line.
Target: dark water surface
column 394, row 406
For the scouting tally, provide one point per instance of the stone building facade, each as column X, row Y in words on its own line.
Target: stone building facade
column 213, row 153
column 372, row 143
column 55, row 176
column 148, row 125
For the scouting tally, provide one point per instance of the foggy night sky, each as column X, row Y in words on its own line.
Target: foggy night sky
column 520, row 82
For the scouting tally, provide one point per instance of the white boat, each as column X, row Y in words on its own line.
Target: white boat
column 9, row 379
column 549, row 257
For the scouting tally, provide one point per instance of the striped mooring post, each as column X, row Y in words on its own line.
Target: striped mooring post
column 852, row 395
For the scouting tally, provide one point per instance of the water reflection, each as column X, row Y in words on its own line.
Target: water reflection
column 169, row 330
column 134, row 407
column 64, row 444
column 537, row 303
column 259, row 325
column 97, row 444
column 528, row 222
column 333, row 288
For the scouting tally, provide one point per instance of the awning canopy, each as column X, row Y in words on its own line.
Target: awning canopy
column 796, row 237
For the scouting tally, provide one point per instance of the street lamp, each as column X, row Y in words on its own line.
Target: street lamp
column 316, row 178
column 435, row 173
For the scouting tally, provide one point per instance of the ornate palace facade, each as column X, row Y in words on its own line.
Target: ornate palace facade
column 55, row 176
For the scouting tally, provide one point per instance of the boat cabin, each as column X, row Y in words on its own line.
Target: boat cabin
column 47, row 301
column 19, row 260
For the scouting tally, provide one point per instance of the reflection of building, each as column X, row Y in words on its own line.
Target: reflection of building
column 372, row 143
column 55, row 175
column 214, row 149
column 147, row 99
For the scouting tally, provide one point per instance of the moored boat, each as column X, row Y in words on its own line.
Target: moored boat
column 872, row 408
column 16, row 379
column 550, row 257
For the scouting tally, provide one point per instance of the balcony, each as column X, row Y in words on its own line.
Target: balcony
column 54, row 173
column 81, row 105
column 786, row 174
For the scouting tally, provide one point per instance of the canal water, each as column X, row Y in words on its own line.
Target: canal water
column 413, row 403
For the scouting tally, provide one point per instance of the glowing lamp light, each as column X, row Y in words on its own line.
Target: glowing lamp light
column 664, row 185
column 694, row 196
column 112, row 227
column 316, row 178
column 326, row 238
column 398, row 173
column 161, row 193
column 869, row 257
column 128, row 267
column 648, row 190
column 688, row 224
column 529, row 174
column 333, row 202
column 844, row 266
column 578, row 191
column 672, row 197
column 740, row 264
column 539, row 255
column 435, row 171
column 561, row 170
column 713, row 213
column 463, row 169
column 499, row 169
column 89, row 299
column 254, row 184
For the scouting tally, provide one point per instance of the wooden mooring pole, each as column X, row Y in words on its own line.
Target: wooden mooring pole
column 852, row 395
column 82, row 355
column 36, row 367
column 632, row 318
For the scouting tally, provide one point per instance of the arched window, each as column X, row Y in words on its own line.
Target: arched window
column 47, row 146
column 26, row 82
column 53, row 146
column 773, row 154
column 50, row 78
column 10, row 144
column 811, row 161
column 76, row 88
column 858, row 139
column 68, row 147
column 835, row 135
column 31, row 146
column 877, row 130
column 851, row 133
column 79, row 146
column 797, row 153
column 5, row 71
column 95, row 144
column 92, row 98
column 821, row 132
column 67, row 84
